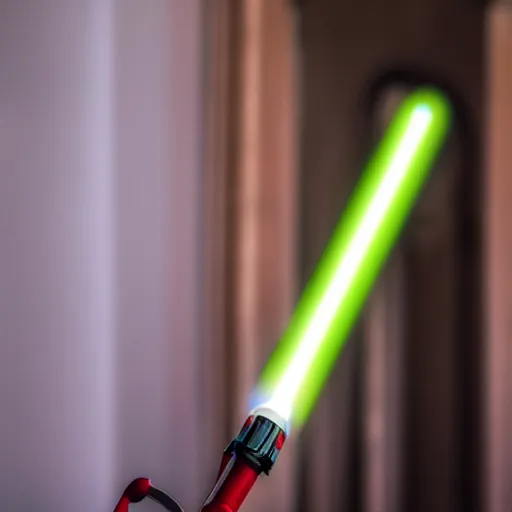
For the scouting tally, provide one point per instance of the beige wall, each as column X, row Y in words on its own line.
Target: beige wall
column 100, row 236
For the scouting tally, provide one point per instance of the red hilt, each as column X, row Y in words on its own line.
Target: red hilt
column 232, row 487
column 252, row 452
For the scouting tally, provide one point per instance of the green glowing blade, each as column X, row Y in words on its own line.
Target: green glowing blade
column 293, row 377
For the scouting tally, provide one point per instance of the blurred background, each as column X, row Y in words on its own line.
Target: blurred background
column 170, row 173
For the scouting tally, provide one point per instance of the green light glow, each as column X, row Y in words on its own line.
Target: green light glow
column 297, row 370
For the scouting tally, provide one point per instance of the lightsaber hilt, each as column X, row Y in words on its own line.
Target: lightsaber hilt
column 252, row 452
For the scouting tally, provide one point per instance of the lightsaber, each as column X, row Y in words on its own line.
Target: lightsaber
column 363, row 239
column 328, row 308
